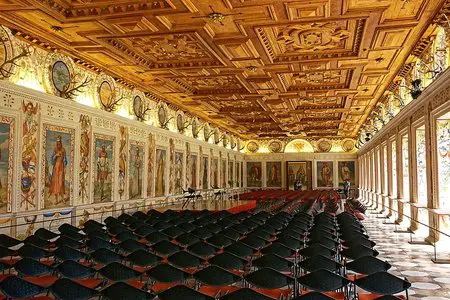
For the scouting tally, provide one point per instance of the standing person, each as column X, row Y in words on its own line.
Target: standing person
column 298, row 185
column 346, row 188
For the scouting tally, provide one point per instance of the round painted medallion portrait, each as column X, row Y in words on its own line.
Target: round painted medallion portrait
column 348, row 145
column 180, row 123
column 216, row 137
column 194, row 128
column 60, row 76
column 137, row 106
column 105, row 93
column 252, row 147
column 232, row 142
column 324, row 145
column 225, row 141
column 275, row 146
column 162, row 115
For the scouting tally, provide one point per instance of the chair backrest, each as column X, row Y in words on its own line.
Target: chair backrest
column 383, row 283
column 30, row 267
column 268, row 278
column 323, row 281
column 368, row 265
column 216, row 276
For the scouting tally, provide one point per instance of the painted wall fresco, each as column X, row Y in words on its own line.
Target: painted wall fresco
column 29, row 154
column 273, row 174
column 299, row 170
column 58, row 166
column 223, row 173
column 205, row 165
column 160, row 181
column 254, row 174
column 150, row 164
column 346, row 170
column 231, row 180
column 178, row 172
column 104, row 158
column 171, row 166
column 123, row 149
column 7, row 129
column 188, row 166
column 215, row 173
column 238, row 174
column 324, row 174
column 85, row 151
column 194, row 162
column 136, row 169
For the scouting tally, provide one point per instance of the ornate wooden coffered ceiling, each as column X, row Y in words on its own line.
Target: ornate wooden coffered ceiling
column 257, row 68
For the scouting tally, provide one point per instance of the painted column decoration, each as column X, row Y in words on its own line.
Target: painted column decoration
column 171, row 166
column 7, row 131
column 29, row 156
column 188, row 166
column 200, row 157
column 85, row 144
column 151, row 164
column 212, row 165
column 123, row 162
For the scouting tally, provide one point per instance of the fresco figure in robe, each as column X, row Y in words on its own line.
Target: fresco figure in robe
column 301, row 175
column 136, row 161
column 102, row 169
column 161, row 157
column 345, row 172
column 326, row 174
column 273, row 174
column 59, row 163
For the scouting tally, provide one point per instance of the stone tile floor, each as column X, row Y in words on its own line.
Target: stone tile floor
column 429, row 280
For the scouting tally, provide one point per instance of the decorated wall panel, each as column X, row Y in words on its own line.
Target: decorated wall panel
column 273, row 171
column 79, row 163
column 346, row 170
column 254, row 174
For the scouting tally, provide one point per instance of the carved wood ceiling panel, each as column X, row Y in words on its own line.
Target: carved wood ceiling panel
column 257, row 68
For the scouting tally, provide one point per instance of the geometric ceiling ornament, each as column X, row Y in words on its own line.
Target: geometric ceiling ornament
column 307, row 70
column 312, row 37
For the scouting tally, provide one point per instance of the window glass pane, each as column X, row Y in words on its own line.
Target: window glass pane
column 405, row 164
column 421, row 167
column 385, row 170
column 443, row 144
column 394, row 170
